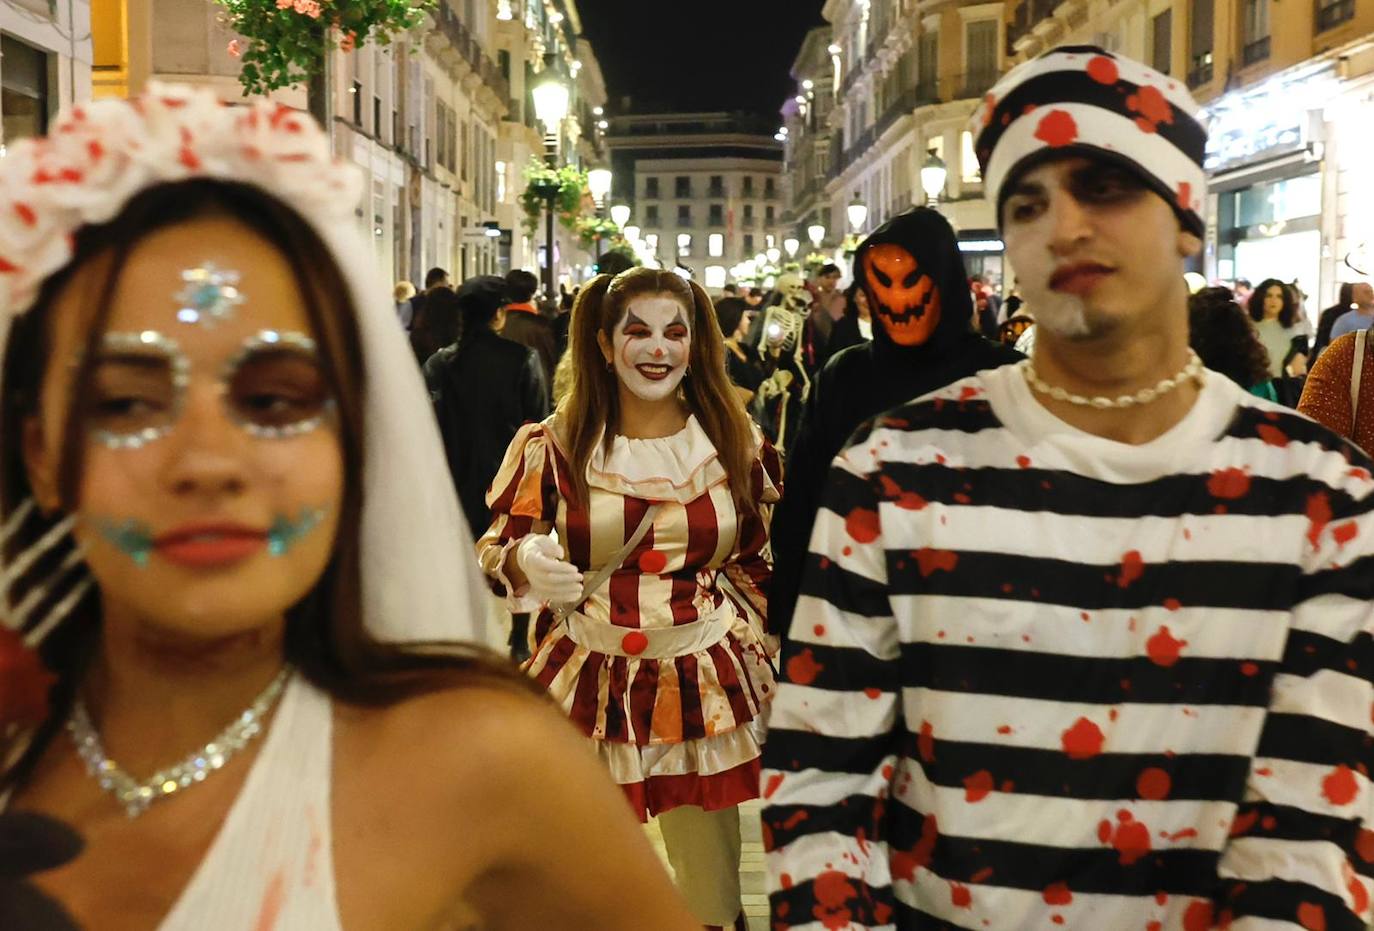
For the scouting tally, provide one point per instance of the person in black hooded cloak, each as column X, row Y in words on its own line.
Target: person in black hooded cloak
column 912, row 272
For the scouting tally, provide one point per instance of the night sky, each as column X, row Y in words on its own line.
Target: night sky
column 680, row 55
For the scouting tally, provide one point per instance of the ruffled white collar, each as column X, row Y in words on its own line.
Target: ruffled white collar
column 677, row 468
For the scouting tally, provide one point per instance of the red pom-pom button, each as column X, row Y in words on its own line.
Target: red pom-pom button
column 653, row 562
column 634, row 643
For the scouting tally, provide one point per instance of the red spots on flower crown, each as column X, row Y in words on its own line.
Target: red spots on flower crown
column 1339, row 787
column 1163, row 649
column 1344, row 533
column 862, row 525
column 931, row 561
column 1364, row 845
column 906, row 500
column 1198, row 917
column 1058, row 894
column 1057, row 128
column 1083, row 741
column 905, row 863
column 1153, row 784
column 653, row 562
column 1023, row 461
column 1129, row 837
column 833, row 891
column 1229, row 484
column 7, row 267
column 925, row 742
column 1132, row 568
column 977, row 786
column 774, row 782
column 1318, row 516
column 959, row 896
column 1249, row 669
column 1103, row 70
column 1272, row 435
column 803, row 668
column 26, row 214
column 1312, row 917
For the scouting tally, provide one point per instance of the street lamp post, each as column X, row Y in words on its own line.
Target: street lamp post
column 857, row 212
column 791, row 245
column 933, row 175
column 816, row 233
column 599, row 183
column 551, row 107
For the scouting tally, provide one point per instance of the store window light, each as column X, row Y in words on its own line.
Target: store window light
column 715, row 245
column 969, row 171
column 715, row 276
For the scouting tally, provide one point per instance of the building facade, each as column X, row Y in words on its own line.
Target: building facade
column 705, row 189
column 1287, row 91
column 806, row 136
column 45, row 63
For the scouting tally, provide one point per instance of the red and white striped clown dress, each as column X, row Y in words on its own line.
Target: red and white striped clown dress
column 665, row 666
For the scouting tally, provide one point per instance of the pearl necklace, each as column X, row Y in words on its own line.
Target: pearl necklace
column 136, row 796
column 1194, row 370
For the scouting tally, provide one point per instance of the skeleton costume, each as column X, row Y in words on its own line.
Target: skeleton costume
column 419, row 582
column 783, row 334
column 914, row 277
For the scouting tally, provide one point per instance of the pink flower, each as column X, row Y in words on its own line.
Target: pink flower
column 309, row 8
column 285, row 4
column 235, row 49
column 349, row 42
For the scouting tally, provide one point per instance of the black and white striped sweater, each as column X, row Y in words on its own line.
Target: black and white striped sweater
column 1040, row 679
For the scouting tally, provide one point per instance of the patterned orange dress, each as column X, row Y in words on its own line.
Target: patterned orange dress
column 665, row 666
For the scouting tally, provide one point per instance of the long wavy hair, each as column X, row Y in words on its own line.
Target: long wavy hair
column 325, row 637
column 1255, row 303
column 593, row 404
column 1224, row 340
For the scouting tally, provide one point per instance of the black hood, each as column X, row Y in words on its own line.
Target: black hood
column 930, row 239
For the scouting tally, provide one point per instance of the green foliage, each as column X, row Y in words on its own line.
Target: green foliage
column 567, row 185
column 590, row 229
column 286, row 40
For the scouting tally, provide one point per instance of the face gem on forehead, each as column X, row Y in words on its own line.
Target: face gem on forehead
column 209, row 295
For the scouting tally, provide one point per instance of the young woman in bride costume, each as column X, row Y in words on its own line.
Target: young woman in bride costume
column 652, row 632
column 218, row 446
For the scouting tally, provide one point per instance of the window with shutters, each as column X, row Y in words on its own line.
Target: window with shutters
column 1255, row 37
column 1200, row 43
column 980, row 62
column 928, row 67
column 1162, row 42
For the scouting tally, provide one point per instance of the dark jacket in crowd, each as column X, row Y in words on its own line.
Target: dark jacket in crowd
column 528, row 327
column 1328, row 319
column 868, row 379
column 484, row 388
column 844, row 334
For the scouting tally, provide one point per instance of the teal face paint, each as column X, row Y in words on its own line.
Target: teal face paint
column 285, row 533
column 131, row 537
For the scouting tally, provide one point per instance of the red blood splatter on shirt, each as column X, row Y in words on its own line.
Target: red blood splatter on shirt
column 1162, row 898
column 1312, row 917
column 906, row 500
column 959, row 896
column 1183, row 834
column 968, row 392
column 774, row 781
column 1359, row 895
column 977, row 786
column 905, row 863
column 1004, row 729
column 925, row 742
column 1153, row 784
column 1318, row 516
column 819, row 630
column 1339, row 787
column 1229, row 484
column 1185, row 195
column 982, row 875
column 1163, row 648
column 1057, row 919
column 862, row 525
column 1058, row 894
column 832, row 890
column 1083, row 741
column 1198, row 917
column 785, row 880
column 930, row 561
column 873, row 693
column 1154, row 926
column 1130, row 838
column 1057, row 128
column 1364, row 845
column 1103, row 70
column 1172, row 604
column 1132, row 568
column 803, row 668
column 652, row 562
column 1023, row 461
column 1344, row 533
column 1272, row 435
column 1249, row 669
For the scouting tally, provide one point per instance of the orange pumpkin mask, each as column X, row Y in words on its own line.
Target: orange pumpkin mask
column 904, row 298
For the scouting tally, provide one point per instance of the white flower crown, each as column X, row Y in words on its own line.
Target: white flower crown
column 98, row 155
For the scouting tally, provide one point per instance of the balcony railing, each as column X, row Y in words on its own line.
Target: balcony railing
column 1255, row 51
column 1201, row 71
column 458, row 35
column 1331, row 15
column 976, row 83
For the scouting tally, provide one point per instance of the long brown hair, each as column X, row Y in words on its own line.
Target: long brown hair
column 593, row 404
column 325, row 637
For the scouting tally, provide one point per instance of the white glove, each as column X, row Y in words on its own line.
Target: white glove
column 552, row 578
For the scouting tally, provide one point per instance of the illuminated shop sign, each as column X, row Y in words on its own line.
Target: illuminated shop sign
column 981, row 245
column 1273, row 119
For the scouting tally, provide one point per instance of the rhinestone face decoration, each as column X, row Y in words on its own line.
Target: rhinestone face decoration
column 211, row 294
column 154, row 344
column 136, row 795
column 265, row 341
column 285, row 533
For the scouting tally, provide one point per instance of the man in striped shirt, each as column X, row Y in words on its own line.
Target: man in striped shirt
column 1084, row 642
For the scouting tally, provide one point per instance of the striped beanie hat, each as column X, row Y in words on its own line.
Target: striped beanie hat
column 1080, row 99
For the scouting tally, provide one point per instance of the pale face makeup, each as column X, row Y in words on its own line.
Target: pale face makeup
column 651, row 346
column 212, row 475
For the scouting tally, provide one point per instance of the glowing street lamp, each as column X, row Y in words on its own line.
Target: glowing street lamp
column 620, row 213
column 773, row 256
column 599, row 183
column 933, row 175
column 791, row 245
column 857, row 212
column 816, row 233
column 631, row 233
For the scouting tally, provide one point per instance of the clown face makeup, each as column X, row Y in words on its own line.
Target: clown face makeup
column 273, row 387
column 901, row 295
column 651, row 346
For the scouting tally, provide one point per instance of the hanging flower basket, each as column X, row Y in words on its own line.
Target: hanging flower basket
column 590, row 229
column 565, row 185
column 284, row 41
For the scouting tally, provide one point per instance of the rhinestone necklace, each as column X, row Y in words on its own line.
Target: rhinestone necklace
column 1193, row 370
column 136, row 796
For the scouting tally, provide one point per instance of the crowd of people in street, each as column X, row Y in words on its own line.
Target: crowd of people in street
column 321, row 609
